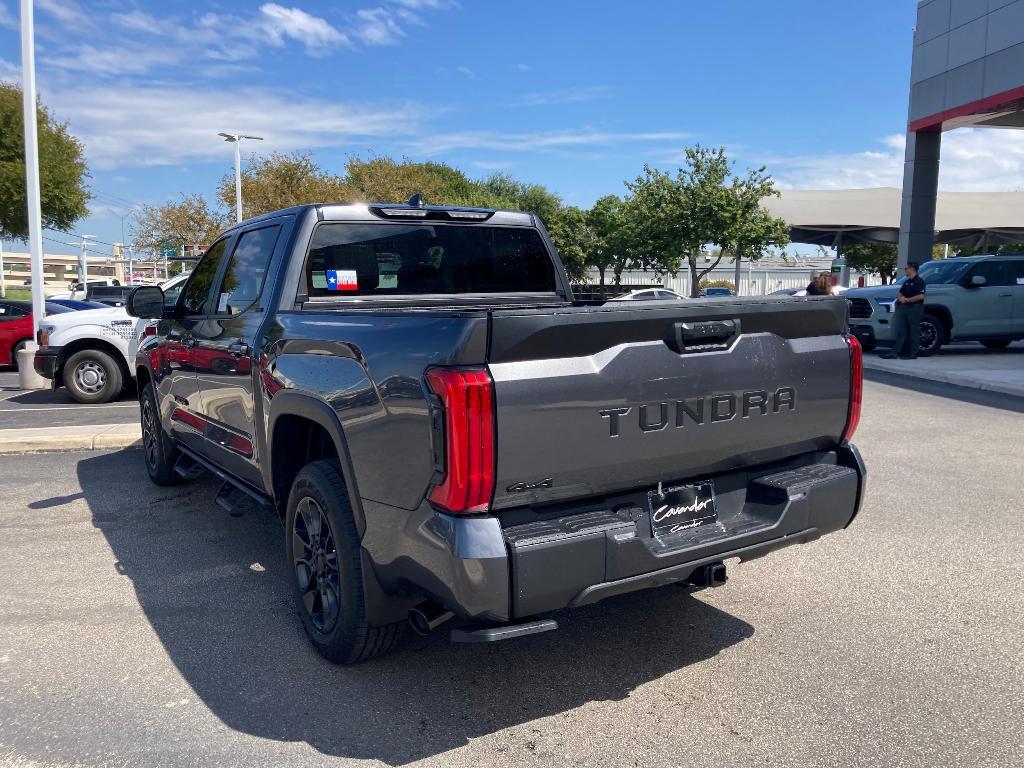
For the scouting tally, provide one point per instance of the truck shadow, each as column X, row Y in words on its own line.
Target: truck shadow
column 214, row 591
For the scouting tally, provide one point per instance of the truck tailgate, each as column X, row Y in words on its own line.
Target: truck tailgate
column 595, row 400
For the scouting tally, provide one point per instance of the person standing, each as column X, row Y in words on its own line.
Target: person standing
column 909, row 311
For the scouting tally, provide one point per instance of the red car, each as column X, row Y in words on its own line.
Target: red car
column 16, row 326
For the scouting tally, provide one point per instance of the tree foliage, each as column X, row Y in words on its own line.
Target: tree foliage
column 189, row 221
column 673, row 218
column 63, row 175
column 872, row 258
column 276, row 181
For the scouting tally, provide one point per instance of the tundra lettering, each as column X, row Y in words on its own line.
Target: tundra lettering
column 654, row 417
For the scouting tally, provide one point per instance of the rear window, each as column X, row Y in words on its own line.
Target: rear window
column 419, row 259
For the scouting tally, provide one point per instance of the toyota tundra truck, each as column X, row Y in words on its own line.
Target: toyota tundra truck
column 448, row 437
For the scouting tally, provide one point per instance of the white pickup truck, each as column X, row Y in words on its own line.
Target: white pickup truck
column 91, row 352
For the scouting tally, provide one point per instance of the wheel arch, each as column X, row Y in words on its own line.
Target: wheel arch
column 944, row 316
column 302, row 429
column 100, row 345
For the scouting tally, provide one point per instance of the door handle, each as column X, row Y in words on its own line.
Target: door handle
column 238, row 349
column 1005, row 295
column 708, row 336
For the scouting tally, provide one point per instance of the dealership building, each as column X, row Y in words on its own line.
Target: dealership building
column 968, row 70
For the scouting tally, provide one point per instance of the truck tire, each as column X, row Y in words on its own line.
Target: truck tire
column 322, row 547
column 158, row 449
column 933, row 335
column 996, row 343
column 92, row 376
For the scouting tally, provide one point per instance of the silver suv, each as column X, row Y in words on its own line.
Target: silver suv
column 969, row 298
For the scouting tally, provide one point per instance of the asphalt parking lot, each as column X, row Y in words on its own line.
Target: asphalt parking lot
column 144, row 626
column 55, row 408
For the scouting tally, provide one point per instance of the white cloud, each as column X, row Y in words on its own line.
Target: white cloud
column 442, row 143
column 68, row 12
column 10, row 71
column 127, row 125
column 313, row 32
column 7, row 19
column 378, row 26
column 466, row 72
column 973, row 160
column 148, row 43
column 563, row 96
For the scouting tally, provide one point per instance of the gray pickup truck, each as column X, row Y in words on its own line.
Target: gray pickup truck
column 447, row 435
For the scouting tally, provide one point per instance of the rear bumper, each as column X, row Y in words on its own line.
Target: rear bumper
column 46, row 361
column 481, row 569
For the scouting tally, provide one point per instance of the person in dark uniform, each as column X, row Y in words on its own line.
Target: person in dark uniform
column 909, row 311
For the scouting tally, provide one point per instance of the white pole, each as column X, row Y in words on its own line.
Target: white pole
column 3, row 281
column 131, row 265
column 238, row 178
column 83, row 267
column 35, row 215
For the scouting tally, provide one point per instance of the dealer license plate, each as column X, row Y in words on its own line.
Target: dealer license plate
column 682, row 507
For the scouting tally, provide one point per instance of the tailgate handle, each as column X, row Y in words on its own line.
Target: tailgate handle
column 707, row 336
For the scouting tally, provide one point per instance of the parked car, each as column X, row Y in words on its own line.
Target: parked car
column 16, row 326
column 91, row 352
column 969, row 298
column 446, row 434
column 80, row 290
column 77, row 304
column 717, row 292
column 649, row 294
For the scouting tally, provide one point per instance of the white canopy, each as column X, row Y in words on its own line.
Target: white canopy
column 837, row 216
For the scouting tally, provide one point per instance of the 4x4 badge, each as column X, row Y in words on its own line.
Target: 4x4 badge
column 520, row 487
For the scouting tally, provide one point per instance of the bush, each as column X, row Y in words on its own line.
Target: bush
column 705, row 284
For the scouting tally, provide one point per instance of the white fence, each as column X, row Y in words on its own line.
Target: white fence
column 754, row 280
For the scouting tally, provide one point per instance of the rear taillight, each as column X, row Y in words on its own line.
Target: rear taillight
column 856, row 387
column 467, row 424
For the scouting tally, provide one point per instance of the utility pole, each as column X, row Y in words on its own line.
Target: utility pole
column 83, row 265
column 236, row 139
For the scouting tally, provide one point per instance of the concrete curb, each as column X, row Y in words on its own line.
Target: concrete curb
column 904, row 368
column 40, row 439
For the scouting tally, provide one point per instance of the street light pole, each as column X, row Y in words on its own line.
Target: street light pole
column 236, row 139
column 35, row 216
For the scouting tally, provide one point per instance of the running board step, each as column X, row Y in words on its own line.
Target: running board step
column 502, row 632
column 187, row 467
column 232, row 499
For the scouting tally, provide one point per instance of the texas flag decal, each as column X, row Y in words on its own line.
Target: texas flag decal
column 342, row 280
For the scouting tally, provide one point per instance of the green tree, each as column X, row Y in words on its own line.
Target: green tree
column 674, row 217
column 573, row 238
column 276, row 181
column 190, row 221
column 609, row 249
column 872, row 258
column 63, row 174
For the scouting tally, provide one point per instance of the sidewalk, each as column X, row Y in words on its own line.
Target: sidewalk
column 38, row 439
column 966, row 365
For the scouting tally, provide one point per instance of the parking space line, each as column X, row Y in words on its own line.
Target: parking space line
column 57, row 407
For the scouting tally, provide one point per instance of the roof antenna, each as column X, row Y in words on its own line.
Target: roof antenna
column 416, row 201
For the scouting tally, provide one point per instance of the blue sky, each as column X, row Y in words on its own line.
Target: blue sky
column 573, row 95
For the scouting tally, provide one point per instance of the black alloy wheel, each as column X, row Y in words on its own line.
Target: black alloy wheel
column 315, row 559
column 158, row 449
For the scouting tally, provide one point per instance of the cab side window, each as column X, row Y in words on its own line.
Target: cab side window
column 196, row 294
column 994, row 272
column 243, row 279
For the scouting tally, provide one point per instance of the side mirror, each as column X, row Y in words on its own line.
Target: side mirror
column 147, row 302
column 978, row 280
